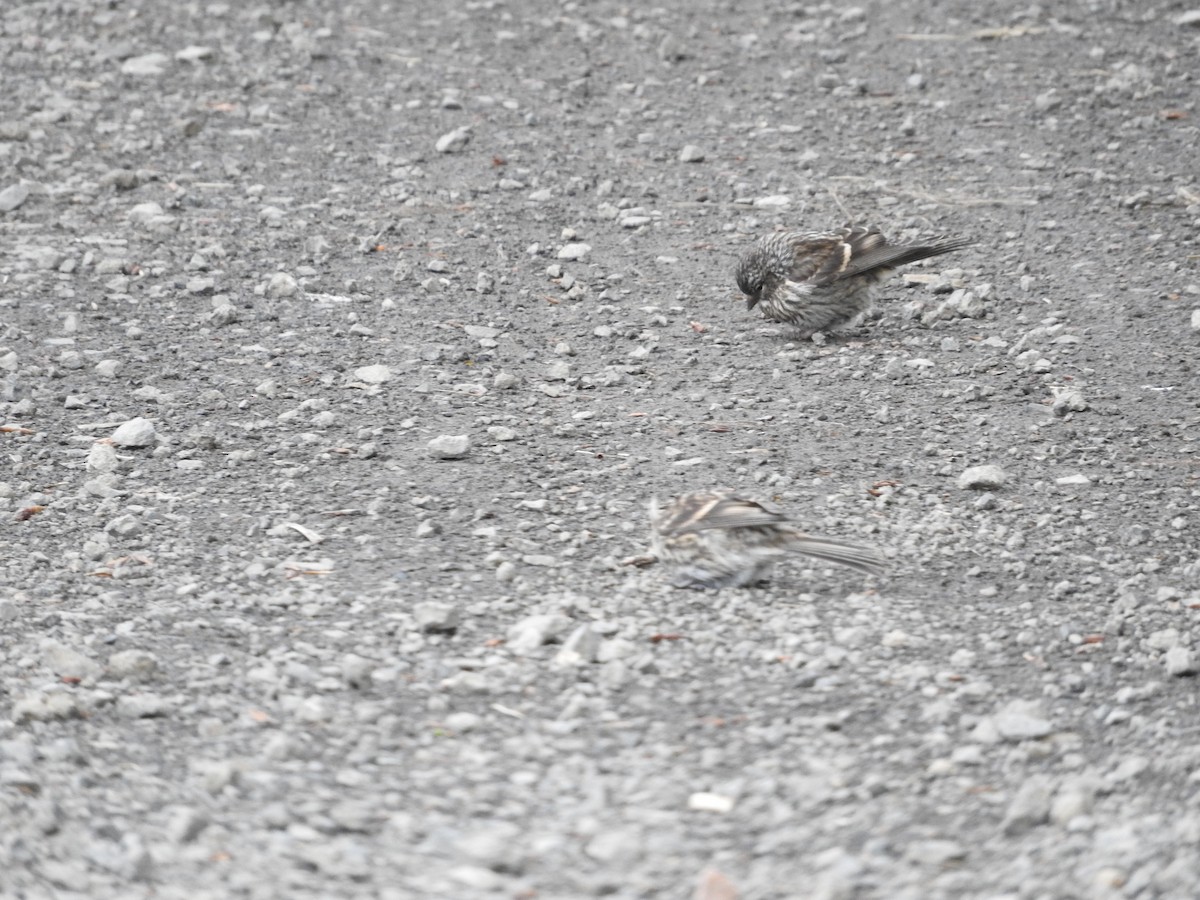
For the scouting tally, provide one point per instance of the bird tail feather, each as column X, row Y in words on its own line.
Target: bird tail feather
column 889, row 257
column 856, row 556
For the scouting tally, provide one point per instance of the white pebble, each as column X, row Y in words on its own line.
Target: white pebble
column 982, row 478
column 46, row 706
column 449, row 446
column 194, row 53
column 1030, row 806
column 433, row 616
column 282, row 285
column 481, row 331
column 1022, row 720
column 1180, row 661
column 1067, row 400
column 147, row 64
column 1068, row 480
column 580, row 648
column 574, row 251
column 534, row 631
column 102, row 458
column 704, row 801
column 68, row 662
column 13, row 196
column 145, row 212
column 136, row 432
column 376, row 374
column 224, row 314
column 454, row 141
column 135, row 664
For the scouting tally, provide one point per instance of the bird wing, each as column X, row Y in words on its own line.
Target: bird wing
column 824, row 258
column 716, row 509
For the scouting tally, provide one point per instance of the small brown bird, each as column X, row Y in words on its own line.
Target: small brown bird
column 719, row 539
column 821, row 280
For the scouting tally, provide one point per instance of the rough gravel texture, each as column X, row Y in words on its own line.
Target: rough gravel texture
column 341, row 345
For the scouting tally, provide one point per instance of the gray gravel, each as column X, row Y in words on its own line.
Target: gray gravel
column 341, row 345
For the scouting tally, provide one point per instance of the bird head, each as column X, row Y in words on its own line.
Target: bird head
column 751, row 277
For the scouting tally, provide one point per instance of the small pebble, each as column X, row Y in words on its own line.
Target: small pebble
column 102, row 457
column 66, row 662
column 376, row 374
column 1022, row 720
column 574, row 251
column 146, row 65
column 533, row 631
column 936, row 852
column 705, row 801
column 449, row 446
column 1031, row 805
column 12, row 197
column 139, row 665
column 225, row 314
column 1181, row 661
column 433, row 616
column 144, row 213
column 580, row 647
column 46, row 706
column 454, row 141
column 136, row 432
column 282, row 285
column 185, row 824
column 982, row 478
column 1076, row 480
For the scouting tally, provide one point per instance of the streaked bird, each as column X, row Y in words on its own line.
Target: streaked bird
column 721, row 538
column 819, row 281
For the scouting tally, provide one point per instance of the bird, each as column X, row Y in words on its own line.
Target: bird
column 819, row 281
column 722, row 538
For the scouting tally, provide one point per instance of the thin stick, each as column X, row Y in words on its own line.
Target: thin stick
column 838, row 201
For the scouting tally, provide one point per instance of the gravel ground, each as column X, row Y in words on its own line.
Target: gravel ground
column 342, row 344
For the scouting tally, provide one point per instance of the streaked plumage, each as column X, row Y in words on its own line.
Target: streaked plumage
column 819, row 281
column 719, row 539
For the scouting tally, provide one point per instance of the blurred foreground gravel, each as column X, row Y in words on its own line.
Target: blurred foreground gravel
column 342, row 344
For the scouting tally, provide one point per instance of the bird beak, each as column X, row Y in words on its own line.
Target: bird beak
column 751, row 301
